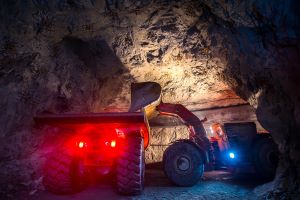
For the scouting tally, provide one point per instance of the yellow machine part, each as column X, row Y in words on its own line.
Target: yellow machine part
column 150, row 110
column 145, row 96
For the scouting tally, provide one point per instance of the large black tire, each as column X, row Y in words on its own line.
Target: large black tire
column 131, row 167
column 64, row 173
column 183, row 163
column 265, row 158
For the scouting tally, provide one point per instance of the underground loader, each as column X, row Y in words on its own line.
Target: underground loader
column 116, row 141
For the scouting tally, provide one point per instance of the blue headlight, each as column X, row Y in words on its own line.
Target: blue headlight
column 231, row 155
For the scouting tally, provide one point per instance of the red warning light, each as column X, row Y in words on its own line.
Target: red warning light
column 81, row 144
column 113, row 143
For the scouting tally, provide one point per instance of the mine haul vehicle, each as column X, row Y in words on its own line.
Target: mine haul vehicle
column 116, row 141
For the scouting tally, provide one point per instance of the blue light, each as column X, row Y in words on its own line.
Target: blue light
column 231, row 155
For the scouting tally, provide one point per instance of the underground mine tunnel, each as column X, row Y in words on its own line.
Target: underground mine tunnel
column 71, row 69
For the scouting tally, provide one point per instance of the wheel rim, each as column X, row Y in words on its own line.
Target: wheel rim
column 183, row 163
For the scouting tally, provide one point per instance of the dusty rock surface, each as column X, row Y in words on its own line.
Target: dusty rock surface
column 81, row 56
column 214, row 185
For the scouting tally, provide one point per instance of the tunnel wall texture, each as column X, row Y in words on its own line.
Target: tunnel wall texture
column 81, row 56
column 262, row 56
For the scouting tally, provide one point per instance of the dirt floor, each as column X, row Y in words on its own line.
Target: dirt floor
column 214, row 185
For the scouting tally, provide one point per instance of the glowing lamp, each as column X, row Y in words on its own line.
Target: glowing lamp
column 231, row 155
column 81, row 144
column 113, row 143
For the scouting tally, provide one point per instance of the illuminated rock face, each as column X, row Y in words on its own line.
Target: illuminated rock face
column 81, row 56
column 261, row 41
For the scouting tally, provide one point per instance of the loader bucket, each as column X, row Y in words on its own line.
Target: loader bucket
column 145, row 96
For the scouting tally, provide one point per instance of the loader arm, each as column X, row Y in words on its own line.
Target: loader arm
column 146, row 96
column 196, row 129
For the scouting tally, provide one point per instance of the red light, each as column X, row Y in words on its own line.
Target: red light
column 81, row 144
column 113, row 143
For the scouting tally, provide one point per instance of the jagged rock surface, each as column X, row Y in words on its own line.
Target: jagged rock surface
column 81, row 56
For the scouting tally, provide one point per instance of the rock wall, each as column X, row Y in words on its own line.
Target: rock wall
column 262, row 66
column 81, row 56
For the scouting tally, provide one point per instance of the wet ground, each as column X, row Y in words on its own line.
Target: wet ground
column 214, row 185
